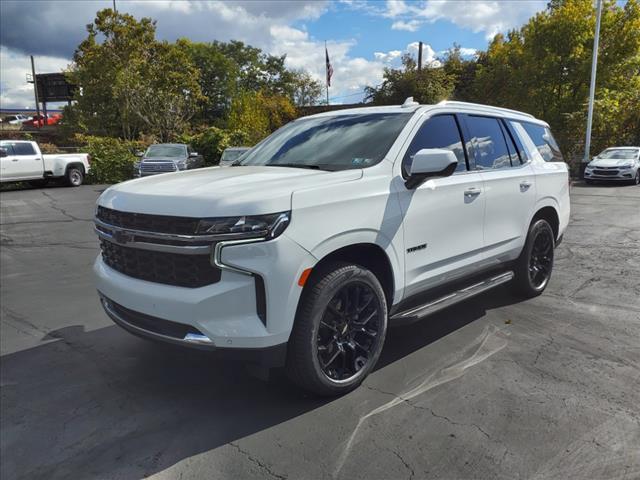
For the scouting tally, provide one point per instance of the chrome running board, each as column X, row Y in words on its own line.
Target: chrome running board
column 421, row 311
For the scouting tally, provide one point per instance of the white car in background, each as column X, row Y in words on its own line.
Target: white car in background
column 332, row 228
column 620, row 164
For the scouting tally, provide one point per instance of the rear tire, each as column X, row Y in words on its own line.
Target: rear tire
column 74, row 176
column 533, row 267
column 339, row 330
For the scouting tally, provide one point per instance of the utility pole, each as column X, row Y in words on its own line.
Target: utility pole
column 35, row 88
column 420, row 56
column 592, row 87
column 114, row 7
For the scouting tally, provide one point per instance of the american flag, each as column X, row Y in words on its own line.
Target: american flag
column 329, row 67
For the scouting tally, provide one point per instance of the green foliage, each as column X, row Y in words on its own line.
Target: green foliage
column 211, row 142
column 111, row 159
column 130, row 83
column 258, row 114
column 429, row 85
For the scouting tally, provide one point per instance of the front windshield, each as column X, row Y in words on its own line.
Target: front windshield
column 620, row 154
column 337, row 142
column 171, row 151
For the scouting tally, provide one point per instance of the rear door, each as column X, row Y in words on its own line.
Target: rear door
column 443, row 217
column 509, row 186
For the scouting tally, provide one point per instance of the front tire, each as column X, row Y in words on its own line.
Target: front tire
column 74, row 176
column 533, row 267
column 636, row 180
column 339, row 330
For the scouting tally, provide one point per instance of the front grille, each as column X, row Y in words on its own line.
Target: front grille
column 191, row 271
column 606, row 172
column 157, row 167
column 148, row 223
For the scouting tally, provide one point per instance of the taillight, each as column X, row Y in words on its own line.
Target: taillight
column 88, row 159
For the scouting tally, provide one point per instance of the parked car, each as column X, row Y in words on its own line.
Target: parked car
column 232, row 154
column 615, row 163
column 331, row 229
column 18, row 119
column 22, row 160
column 39, row 120
column 168, row 157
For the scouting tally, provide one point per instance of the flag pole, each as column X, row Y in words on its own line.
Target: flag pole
column 592, row 86
column 326, row 76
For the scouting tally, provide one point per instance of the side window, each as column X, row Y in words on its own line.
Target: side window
column 9, row 148
column 542, row 140
column 488, row 143
column 437, row 132
column 513, row 152
column 22, row 148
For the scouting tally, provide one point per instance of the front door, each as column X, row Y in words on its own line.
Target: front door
column 443, row 217
column 22, row 161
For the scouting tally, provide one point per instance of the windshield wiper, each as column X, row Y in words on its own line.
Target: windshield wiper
column 293, row 165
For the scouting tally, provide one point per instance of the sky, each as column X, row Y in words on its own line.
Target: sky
column 362, row 37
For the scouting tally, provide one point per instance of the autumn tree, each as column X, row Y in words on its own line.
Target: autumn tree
column 428, row 85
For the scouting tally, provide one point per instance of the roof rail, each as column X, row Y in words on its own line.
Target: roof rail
column 497, row 109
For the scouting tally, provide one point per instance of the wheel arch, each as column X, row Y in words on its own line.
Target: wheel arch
column 550, row 214
column 75, row 165
column 368, row 255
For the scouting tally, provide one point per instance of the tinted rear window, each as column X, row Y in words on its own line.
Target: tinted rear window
column 542, row 140
column 489, row 144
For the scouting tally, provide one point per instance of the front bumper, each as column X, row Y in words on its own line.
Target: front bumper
column 224, row 313
column 611, row 173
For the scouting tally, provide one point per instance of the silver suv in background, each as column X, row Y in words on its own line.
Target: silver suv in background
column 232, row 154
column 616, row 163
column 167, row 157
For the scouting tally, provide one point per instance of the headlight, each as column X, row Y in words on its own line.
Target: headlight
column 136, row 165
column 181, row 164
column 256, row 226
column 627, row 165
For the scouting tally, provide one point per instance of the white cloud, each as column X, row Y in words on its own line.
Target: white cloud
column 410, row 26
column 15, row 92
column 387, row 57
column 490, row 17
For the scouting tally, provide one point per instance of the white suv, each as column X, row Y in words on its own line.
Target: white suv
column 331, row 229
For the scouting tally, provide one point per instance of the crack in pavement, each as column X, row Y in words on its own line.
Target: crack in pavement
column 257, row 462
column 412, row 473
column 53, row 204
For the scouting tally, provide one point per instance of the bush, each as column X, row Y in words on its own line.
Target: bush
column 210, row 143
column 112, row 159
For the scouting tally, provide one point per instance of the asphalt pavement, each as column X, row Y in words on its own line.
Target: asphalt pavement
column 494, row 388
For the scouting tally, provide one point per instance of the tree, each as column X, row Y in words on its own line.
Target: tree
column 429, row 85
column 258, row 114
column 161, row 89
column 463, row 72
column 544, row 68
column 305, row 89
column 129, row 82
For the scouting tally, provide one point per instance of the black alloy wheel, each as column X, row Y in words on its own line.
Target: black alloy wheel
column 349, row 331
column 339, row 329
column 541, row 259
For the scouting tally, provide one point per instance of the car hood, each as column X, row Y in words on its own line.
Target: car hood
column 215, row 191
column 609, row 162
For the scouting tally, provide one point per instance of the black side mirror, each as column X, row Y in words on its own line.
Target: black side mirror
column 431, row 163
column 3, row 152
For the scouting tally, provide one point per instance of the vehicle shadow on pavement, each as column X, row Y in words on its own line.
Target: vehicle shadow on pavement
column 105, row 404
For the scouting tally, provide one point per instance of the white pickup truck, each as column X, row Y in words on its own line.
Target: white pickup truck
column 22, row 161
column 331, row 229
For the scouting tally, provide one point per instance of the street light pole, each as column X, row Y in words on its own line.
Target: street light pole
column 592, row 87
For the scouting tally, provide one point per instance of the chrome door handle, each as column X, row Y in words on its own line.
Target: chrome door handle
column 524, row 186
column 472, row 192
column 14, row 160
